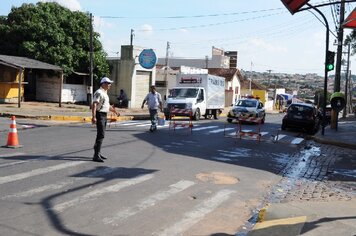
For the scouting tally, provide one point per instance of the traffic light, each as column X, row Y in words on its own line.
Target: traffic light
column 330, row 59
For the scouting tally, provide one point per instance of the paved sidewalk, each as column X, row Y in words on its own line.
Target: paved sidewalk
column 317, row 204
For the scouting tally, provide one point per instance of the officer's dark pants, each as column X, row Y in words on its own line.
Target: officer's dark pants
column 153, row 116
column 101, row 119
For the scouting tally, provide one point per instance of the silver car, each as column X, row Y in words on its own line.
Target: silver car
column 247, row 108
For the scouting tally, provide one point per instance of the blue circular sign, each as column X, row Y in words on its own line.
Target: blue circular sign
column 147, row 58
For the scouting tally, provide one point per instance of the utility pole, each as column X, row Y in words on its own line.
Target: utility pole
column 167, row 62
column 344, row 113
column 206, row 62
column 340, row 37
column 131, row 43
column 90, row 97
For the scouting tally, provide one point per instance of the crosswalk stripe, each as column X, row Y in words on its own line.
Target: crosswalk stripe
column 20, row 176
column 263, row 133
column 280, row 136
column 60, row 184
column 149, row 201
column 98, row 192
column 205, row 127
column 220, row 130
column 297, row 140
column 128, row 123
column 197, row 214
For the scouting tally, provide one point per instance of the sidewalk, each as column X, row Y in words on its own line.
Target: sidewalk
column 323, row 217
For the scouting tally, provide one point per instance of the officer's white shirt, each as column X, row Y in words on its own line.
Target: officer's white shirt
column 102, row 98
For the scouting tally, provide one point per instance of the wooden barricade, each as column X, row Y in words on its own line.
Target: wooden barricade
column 250, row 134
column 181, row 117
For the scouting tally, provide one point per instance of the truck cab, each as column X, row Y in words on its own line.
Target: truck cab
column 187, row 98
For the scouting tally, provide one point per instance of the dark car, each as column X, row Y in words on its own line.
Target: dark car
column 302, row 116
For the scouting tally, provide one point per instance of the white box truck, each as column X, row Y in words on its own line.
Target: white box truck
column 204, row 94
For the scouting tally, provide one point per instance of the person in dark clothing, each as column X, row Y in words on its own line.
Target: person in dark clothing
column 100, row 108
column 123, row 102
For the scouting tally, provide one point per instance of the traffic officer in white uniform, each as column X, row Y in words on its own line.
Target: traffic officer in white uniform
column 100, row 108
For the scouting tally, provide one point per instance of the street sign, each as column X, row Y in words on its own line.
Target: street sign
column 147, row 58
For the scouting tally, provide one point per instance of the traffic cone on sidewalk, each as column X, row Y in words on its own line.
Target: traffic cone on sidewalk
column 12, row 139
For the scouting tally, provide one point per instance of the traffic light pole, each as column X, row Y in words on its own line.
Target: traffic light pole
column 325, row 68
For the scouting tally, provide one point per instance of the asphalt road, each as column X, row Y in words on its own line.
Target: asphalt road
column 168, row 182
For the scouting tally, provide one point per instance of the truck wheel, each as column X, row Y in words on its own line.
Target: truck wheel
column 196, row 115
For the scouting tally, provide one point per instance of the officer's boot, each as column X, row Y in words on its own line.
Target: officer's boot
column 96, row 156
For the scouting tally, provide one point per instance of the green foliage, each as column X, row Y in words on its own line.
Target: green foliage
column 51, row 33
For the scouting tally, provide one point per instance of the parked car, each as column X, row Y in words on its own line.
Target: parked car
column 247, row 108
column 302, row 116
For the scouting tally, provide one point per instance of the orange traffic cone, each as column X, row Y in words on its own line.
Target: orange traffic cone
column 12, row 139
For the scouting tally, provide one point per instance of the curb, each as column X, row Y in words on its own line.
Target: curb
column 65, row 118
column 334, row 143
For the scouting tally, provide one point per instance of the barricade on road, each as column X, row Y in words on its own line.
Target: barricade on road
column 182, row 118
column 250, row 134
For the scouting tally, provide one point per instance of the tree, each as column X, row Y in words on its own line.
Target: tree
column 51, row 33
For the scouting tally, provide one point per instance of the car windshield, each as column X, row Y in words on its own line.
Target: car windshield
column 183, row 93
column 246, row 103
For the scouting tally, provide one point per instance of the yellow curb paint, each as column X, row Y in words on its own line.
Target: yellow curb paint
column 262, row 214
column 285, row 221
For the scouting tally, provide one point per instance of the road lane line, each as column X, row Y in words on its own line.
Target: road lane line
column 96, row 193
column 149, row 201
column 60, row 184
column 197, row 214
column 40, row 171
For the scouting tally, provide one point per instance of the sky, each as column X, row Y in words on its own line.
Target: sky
column 265, row 34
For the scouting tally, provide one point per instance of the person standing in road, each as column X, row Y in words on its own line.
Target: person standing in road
column 154, row 102
column 100, row 108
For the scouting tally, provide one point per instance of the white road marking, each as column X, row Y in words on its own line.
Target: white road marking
column 20, row 176
column 98, row 192
column 149, row 201
column 12, row 154
column 220, row 130
column 263, row 133
column 129, row 123
column 197, row 214
column 297, row 140
column 246, row 130
column 279, row 137
column 141, row 125
column 205, row 127
column 60, row 184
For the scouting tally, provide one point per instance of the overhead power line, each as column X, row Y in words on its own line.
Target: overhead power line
column 192, row 16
